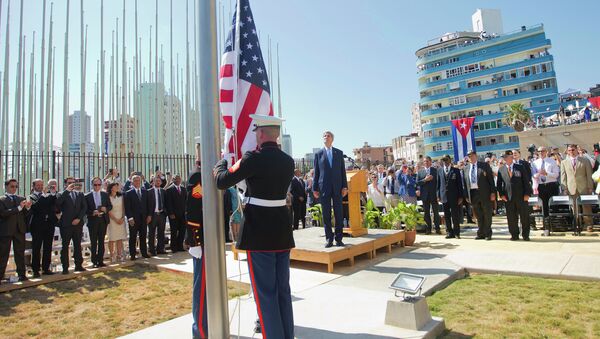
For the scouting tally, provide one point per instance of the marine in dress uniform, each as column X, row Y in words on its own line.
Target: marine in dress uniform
column 266, row 234
column 195, row 239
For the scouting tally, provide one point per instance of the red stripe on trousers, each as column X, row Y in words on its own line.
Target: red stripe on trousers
column 253, row 283
column 201, row 311
column 244, row 120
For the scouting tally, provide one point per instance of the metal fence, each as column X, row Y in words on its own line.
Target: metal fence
column 27, row 166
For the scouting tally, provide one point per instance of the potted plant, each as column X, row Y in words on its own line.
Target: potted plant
column 411, row 217
column 372, row 216
column 317, row 213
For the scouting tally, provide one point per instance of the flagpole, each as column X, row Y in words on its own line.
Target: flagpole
column 214, row 237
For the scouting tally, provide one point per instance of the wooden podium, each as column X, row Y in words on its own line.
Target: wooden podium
column 357, row 184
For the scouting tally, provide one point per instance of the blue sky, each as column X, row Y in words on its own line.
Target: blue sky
column 346, row 66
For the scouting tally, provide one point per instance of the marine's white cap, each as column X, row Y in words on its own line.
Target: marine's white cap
column 259, row 120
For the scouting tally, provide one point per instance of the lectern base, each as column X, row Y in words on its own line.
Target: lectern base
column 356, row 232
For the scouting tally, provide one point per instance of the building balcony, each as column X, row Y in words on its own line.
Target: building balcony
column 487, row 71
column 493, row 101
column 457, row 49
column 485, row 133
column 481, row 150
column 490, row 86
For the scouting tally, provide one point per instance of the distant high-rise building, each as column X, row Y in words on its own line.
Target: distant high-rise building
column 80, row 129
column 415, row 112
column 118, row 139
column 161, row 126
column 286, row 144
column 472, row 74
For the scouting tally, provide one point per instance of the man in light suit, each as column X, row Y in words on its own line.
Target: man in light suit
column 481, row 191
column 450, row 194
column 14, row 210
column 576, row 179
column 514, row 187
column 98, row 206
column 330, row 184
column 72, row 205
column 427, row 179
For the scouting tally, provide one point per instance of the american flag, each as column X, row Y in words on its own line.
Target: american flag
column 244, row 85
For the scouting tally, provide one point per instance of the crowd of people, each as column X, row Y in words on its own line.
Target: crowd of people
column 135, row 212
column 479, row 187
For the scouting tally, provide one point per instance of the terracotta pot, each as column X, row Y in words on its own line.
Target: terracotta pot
column 409, row 237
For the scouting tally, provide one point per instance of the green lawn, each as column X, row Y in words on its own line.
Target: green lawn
column 499, row 306
column 103, row 305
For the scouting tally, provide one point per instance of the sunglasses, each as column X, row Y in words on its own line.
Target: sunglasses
column 95, row 185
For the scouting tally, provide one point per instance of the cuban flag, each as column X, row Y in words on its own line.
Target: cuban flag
column 463, row 137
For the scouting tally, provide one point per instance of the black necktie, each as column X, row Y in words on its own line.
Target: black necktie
column 159, row 201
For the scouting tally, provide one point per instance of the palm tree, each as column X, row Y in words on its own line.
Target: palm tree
column 517, row 116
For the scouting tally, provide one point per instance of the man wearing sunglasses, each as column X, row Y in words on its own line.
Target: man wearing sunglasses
column 71, row 203
column 13, row 213
column 98, row 206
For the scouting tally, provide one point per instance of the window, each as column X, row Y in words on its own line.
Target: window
column 454, row 72
column 513, row 138
column 449, row 145
column 474, row 84
column 458, row 100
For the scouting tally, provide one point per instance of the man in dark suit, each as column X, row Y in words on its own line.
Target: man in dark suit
column 175, row 202
column 529, row 175
column 14, row 210
column 450, row 194
column 136, row 209
column 71, row 203
column 481, row 191
column 514, row 188
column 42, row 222
column 330, row 184
column 156, row 215
column 98, row 206
column 298, row 191
column 427, row 179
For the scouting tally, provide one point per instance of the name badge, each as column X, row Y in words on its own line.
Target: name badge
column 517, row 174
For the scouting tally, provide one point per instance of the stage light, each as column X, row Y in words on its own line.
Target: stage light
column 407, row 283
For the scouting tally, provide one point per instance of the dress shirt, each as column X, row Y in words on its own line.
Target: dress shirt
column 551, row 168
column 329, row 152
column 157, row 199
column 97, row 199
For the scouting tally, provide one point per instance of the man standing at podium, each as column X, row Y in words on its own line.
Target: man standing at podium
column 330, row 184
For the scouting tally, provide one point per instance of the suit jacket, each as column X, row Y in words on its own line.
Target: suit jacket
column 527, row 168
column 449, row 187
column 515, row 187
column 43, row 212
column 298, row 190
column 136, row 207
column 104, row 202
column 12, row 221
column 70, row 209
column 578, row 180
column 485, row 179
column 329, row 180
column 175, row 201
column 152, row 202
column 427, row 189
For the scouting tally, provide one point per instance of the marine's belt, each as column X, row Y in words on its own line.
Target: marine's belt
column 264, row 202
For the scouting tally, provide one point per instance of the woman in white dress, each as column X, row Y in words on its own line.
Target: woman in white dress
column 117, row 230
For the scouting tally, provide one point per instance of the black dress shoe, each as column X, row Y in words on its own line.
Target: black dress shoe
column 514, row 238
column 80, row 269
column 329, row 244
column 163, row 252
column 36, row 274
column 339, row 244
column 23, row 278
column 65, row 271
column 488, row 238
column 526, row 239
column 438, row 232
column 47, row 272
column 457, row 236
column 479, row 237
column 146, row 256
column 101, row 264
column 427, row 232
column 133, row 258
column 450, row 236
